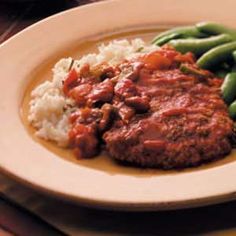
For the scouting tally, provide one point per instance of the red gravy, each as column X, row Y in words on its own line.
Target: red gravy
column 149, row 112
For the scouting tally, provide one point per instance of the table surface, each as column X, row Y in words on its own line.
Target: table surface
column 15, row 220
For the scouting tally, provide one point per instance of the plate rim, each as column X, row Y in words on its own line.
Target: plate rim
column 184, row 202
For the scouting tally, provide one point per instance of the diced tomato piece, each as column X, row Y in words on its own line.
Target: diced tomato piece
column 186, row 58
column 155, row 60
column 83, row 139
column 102, row 92
column 125, row 88
column 80, row 92
column 169, row 52
column 70, row 81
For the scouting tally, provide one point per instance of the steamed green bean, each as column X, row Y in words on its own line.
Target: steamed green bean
column 212, row 28
column 228, row 88
column 186, row 31
column 199, row 46
column 216, row 55
column 163, row 40
column 232, row 110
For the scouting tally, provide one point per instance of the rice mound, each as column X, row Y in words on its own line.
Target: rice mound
column 49, row 109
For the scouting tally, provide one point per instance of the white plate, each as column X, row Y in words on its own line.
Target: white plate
column 26, row 160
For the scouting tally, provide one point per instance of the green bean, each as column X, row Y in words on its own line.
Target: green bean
column 228, row 87
column 214, row 29
column 234, row 56
column 216, row 55
column 199, row 46
column 189, row 31
column 166, row 39
column 189, row 69
column 232, row 110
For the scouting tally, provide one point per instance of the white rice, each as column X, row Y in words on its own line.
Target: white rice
column 47, row 111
